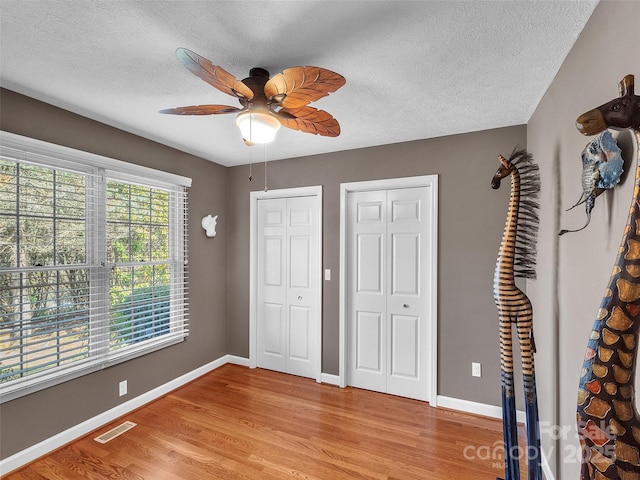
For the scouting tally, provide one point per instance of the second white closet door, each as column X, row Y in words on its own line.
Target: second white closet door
column 387, row 289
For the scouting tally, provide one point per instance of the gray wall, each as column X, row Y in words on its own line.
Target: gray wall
column 35, row 417
column 574, row 269
column 471, row 220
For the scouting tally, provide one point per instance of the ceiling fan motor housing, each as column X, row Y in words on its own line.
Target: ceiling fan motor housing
column 256, row 81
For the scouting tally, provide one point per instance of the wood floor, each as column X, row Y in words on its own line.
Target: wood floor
column 238, row 423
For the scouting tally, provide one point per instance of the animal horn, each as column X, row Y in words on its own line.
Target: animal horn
column 583, row 199
column 562, row 232
column 626, row 86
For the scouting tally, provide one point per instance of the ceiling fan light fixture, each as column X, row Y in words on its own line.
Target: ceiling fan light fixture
column 258, row 127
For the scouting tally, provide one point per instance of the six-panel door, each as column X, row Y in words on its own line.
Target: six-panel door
column 287, row 313
column 387, row 285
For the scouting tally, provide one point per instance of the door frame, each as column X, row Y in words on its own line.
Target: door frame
column 430, row 181
column 312, row 191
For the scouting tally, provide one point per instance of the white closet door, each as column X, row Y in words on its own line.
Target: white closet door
column 387, row 291
column 367, row 332
column 407, row 292
column 303, row 276
column 272, row 283
column 288, row 276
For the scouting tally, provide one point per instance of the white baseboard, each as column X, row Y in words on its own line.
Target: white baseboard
column 50, row 444
column 475, row 408
column 546, row 469
column 242, row 361
column 489, row 411
column 331, row 379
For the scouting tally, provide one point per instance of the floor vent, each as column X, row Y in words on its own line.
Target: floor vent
column 114, row 432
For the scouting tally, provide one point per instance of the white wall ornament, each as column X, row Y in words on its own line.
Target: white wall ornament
column 209, row 224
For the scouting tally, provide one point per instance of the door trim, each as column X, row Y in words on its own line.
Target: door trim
column 430, row 181
column 313, row 191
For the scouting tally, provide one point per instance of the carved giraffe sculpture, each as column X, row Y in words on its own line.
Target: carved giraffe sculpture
column 516, row 258
column 608, row 423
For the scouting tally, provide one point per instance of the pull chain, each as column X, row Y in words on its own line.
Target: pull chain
column 265, row 167
column 250, row 149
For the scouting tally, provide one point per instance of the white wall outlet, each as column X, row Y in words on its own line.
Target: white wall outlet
column 327, row 274
column 476, row 369
column 122, row 388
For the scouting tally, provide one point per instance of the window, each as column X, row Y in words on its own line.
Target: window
column 92, row 263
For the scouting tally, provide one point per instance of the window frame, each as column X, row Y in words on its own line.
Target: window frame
column 100, row 170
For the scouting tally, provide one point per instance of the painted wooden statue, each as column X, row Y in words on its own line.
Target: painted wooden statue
column 516, row 258
column 608, row 423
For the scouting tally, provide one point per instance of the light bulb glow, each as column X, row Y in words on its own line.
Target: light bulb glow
column 258, row 127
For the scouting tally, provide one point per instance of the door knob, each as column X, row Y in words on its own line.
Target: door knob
column 299, row 297
column 406, row 305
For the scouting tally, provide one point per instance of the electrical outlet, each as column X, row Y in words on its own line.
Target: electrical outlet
column 476, row 369
column 122, row 388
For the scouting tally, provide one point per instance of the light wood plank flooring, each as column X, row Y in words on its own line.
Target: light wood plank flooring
column 237, row 423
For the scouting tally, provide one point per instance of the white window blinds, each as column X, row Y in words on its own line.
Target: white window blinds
column 92, row 263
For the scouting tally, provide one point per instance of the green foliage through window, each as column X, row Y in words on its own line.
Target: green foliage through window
column 84, row 270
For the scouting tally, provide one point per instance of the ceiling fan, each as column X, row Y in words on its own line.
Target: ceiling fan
column 267, row 103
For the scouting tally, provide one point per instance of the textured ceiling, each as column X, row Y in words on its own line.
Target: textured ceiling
column 414, row 69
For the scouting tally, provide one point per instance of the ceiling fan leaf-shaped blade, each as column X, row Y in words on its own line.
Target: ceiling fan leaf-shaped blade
column 213, row 74
column 309, row 120
column 285, row 82
column 201, row 110
column 303, row 85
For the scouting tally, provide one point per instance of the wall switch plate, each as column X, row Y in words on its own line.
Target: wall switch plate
column 327, row 274
column 476, row 369
column 122, row 388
